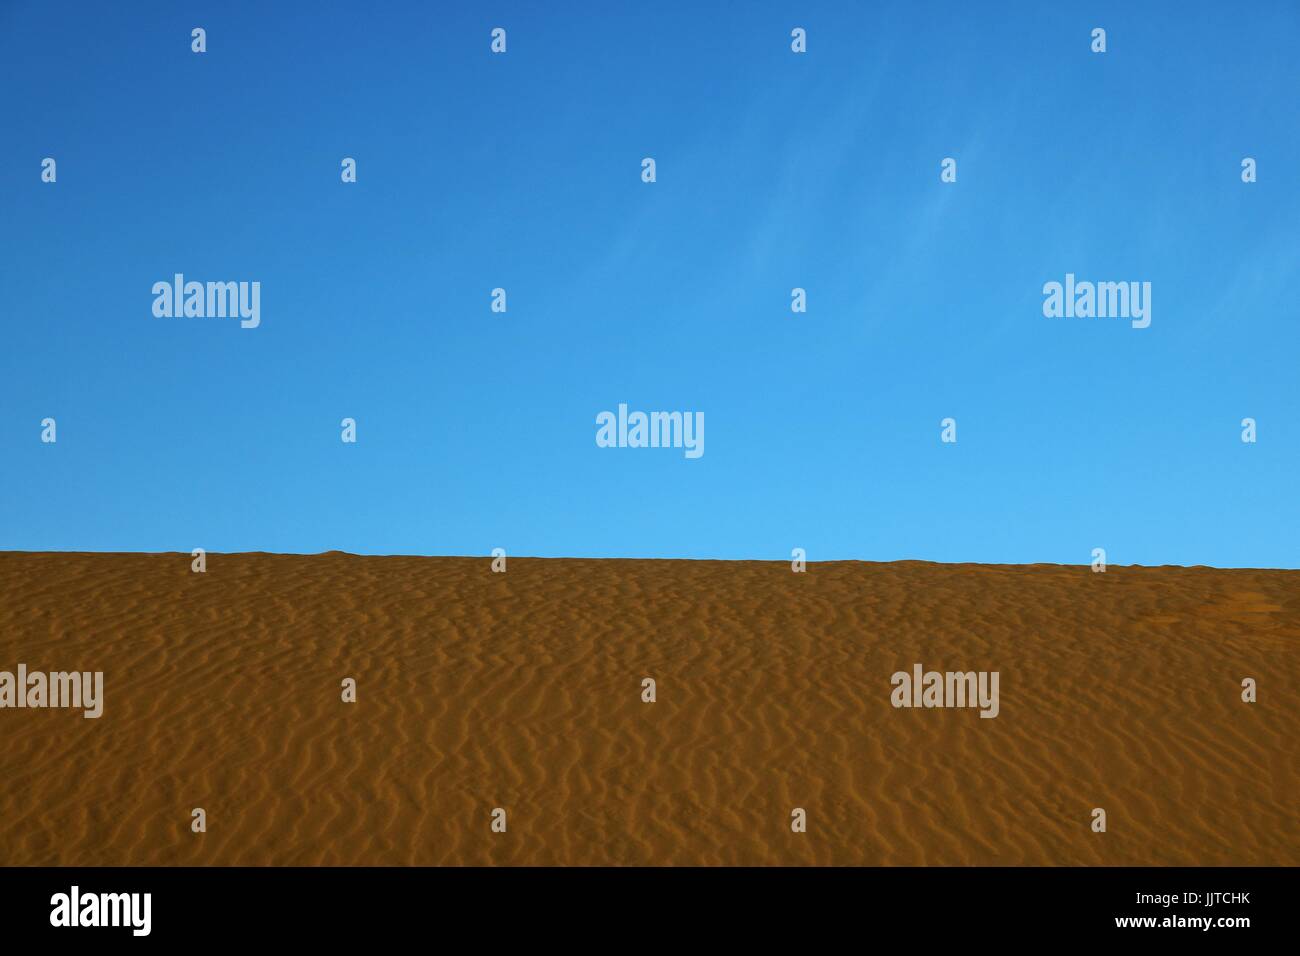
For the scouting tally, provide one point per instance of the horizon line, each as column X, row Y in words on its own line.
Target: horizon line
column 536, row 557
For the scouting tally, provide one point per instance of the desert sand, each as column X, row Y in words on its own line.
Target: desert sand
column 523, row 690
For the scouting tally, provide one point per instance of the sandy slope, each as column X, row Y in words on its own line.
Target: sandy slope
column 523, row 690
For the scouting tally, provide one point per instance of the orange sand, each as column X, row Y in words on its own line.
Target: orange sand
column 523, row 690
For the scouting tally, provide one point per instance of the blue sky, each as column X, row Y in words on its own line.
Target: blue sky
column 775, row 170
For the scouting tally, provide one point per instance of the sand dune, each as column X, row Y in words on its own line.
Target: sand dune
column 522, row 690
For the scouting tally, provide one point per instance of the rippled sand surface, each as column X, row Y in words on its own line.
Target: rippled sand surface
column 523, row 691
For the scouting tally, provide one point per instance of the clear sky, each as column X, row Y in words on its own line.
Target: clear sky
column 775, row 170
